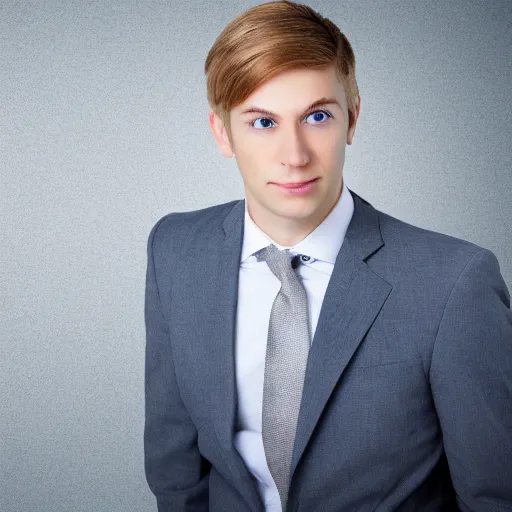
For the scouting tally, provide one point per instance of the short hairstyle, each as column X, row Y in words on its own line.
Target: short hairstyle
column 268, row 39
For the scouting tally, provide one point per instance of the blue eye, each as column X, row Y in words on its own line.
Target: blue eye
column 267, row 119
column 320, row 112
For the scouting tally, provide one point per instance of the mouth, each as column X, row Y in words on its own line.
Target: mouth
column 296, row 184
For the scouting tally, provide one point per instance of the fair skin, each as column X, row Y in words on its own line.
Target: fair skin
column 292, row 145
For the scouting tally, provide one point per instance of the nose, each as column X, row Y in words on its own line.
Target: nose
column 295, row 152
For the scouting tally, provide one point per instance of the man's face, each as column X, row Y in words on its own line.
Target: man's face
column 290, row 145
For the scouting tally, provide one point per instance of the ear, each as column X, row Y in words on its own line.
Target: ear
column 220, row 134
column 352, row 121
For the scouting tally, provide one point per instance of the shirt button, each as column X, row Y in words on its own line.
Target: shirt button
column 305, row 258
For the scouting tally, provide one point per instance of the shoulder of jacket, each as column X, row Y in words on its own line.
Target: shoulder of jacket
column 411, row 248
column 176, row 228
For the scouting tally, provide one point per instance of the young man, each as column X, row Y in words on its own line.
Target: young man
column 305, row 351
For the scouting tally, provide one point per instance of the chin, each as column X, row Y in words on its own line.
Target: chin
column 297, row 212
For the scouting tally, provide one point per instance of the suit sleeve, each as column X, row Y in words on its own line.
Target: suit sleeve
column 471, row 382
column 176, row 472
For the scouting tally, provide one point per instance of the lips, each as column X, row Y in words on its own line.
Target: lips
column 296, row 184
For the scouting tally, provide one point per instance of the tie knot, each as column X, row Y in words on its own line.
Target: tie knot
column 279, row 262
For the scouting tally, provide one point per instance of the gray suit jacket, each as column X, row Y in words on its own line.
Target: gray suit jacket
column 407, row 401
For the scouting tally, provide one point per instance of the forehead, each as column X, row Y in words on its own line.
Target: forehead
column 292, row 91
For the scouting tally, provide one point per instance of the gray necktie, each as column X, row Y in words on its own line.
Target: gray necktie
column 285, row 366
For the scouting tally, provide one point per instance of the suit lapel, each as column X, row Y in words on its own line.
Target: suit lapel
column 353, row 298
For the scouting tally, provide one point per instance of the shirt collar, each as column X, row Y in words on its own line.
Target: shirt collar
column 323, row 243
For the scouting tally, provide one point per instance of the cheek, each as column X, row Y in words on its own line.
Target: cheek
column 331, row 141
column 335, row 147
column 253, row 172
column 249, row 152
column 325, row 143
column 253, row 160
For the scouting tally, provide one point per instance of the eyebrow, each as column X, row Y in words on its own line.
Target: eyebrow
column 317, row 103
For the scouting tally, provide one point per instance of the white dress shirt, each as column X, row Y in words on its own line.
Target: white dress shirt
column 257, row 289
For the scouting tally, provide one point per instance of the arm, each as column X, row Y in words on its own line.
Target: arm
column 176, row 472
column 471, row 382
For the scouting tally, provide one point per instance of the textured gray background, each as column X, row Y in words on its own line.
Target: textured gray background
column 103, row 130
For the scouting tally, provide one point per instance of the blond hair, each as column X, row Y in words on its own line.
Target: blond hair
column 268, row 39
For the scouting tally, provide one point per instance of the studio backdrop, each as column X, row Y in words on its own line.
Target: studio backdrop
column 104, row 129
